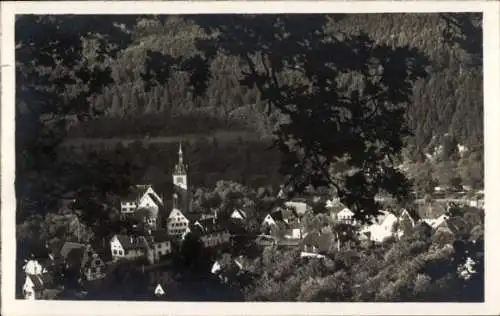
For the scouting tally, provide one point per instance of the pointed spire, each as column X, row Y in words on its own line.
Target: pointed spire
column 180, row 168
column 180, row 154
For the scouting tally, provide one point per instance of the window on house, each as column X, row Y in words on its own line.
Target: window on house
column 115, row 252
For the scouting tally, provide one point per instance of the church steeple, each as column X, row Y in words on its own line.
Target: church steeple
column 180, row 167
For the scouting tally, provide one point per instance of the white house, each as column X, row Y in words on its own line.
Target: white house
column 177, row 223
column 33, row 287
column 36, row 285
column 383, row 227
column 141, row 196
column 128, row 247
column 33, row 267
column 159, row 290
column 405, row 215
column 238, row 214
column 435, row 222
column 269, row 220
column 332, row 202
column 345, row 216
column 216, row 267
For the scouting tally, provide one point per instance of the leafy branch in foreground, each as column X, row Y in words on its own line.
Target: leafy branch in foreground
column 339, row 98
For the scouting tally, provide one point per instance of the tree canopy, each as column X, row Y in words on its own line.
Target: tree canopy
column 322, row 116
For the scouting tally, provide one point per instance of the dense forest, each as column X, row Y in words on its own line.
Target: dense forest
column 445, row 110
column 233, row 121
column 448, row 101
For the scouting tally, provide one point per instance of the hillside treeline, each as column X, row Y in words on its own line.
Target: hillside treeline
column 448, row 101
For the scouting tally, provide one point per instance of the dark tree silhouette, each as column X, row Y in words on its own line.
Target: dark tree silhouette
column 55, row 79
column 466, row 31
column 347, row 101
column 62, row 63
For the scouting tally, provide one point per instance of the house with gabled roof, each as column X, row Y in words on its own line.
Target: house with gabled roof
column 94, row 268
column 128, row 247
column 346, row 216
column 316, row 242
column 211, row 232
column 39, row 282
column 406, row 222
column 160, row 246
column 141, row 196
column 272, row 218
column 436, row 222
column 159, row 291
column 238, row 214
column 383, row 226
column 83, row 259
column 431, row 210
column 33, row 267
column 177, row 223
column 38, row 286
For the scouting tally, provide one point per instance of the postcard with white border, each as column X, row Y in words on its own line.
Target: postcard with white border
column 250, row 158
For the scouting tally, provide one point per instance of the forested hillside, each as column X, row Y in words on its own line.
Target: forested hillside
column 449, row 100
column 227, row 129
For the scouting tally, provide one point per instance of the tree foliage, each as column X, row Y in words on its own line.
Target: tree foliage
column 323, row 118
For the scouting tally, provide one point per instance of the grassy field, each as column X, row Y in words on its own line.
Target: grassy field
column 222, row 136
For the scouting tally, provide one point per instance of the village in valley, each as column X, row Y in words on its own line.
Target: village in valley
column 162, row 229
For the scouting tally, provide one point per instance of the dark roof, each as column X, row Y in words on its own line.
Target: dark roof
column 143, row 212
column 337, row 207
column 242, row 214
column 130, row 242
column 319, row 240
column 191, row 216
column 68, row 247
column 431, row 210
column 208, row 225
column 412, row 213
column 42, row 281
column 155, row 199
column 277, row 215
column 37, row 282
column 160, row 236
column 288, row 213
column 136, row 192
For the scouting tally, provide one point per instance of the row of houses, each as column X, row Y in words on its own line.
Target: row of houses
column 45, row 276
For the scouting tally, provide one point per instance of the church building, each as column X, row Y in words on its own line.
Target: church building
column 180, row 181
column 177, row 220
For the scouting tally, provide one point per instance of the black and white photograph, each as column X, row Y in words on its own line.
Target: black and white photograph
column 247, row 157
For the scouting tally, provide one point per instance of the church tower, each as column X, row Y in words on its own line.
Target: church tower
column 181, row 183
